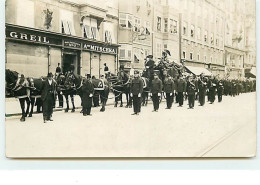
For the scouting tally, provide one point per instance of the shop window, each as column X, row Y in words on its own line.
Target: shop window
column 159, row 21
column 165, row 25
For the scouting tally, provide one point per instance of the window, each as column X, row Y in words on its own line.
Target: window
column 165, row 25
column 191, row 56
column 211, row 59
column 137, row 24
column 199, row 33
column 122, row 53
column 184, row 54
column 67, row 28
column 86, row 31
column 129, row 54
column 89, row 28
column 198, row 57
column 173, row 26
column 159, row 19
column 159, row 50
column 206, row 36
column 205, row 58
column 147, row 28
column 192, row 31
column 108, row 37
column 108, row 32
column 184, row 28
column 212, row 38
column 217, row 41
column 125, row 20
column 165, row 46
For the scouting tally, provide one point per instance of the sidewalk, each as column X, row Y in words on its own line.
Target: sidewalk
column 12, row 105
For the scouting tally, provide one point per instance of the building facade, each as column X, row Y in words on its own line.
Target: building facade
column 53, row 31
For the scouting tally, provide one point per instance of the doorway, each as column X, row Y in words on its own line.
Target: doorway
column 70, row 60
column 95, row 65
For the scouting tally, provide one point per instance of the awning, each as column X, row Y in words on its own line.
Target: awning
column 198, row 70
column 251, row 73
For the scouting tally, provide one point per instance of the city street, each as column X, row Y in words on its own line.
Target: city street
column 223, row 129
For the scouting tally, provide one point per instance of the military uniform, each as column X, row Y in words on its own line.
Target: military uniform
column 191, row 90
column 202, row 86
column 220, row 89
column 87, row 94
column 180, row 88
column 136, row 89
column 212, row 90
column 169, row 88
column 156, row 90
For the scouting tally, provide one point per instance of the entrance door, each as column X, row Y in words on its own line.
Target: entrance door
column 68, row 61
column 95, row 65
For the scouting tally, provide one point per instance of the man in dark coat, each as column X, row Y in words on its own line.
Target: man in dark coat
column 181, row 89
column 212, row 85
column 220, row 90
column 87, row 95
column 48, row 97
column 191, row 91
column 202, row 86
column 169, row 88
column 156, row 90
column 136, row 90
column 149, row 65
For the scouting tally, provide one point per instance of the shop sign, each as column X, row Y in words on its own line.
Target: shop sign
column 72, row 44
column 29, row 37
column 99, row 48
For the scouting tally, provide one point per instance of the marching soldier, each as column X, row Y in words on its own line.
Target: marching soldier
column 136, row 89
column 220, row 90
column 202, row 85
column 212, row 89
column 48, row 97
column 156, row 90
column 191, row 90
column 169, row 88
column 87, row 95
column 181, row 89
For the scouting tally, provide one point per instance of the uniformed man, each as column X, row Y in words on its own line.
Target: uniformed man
column 87, row 95
column 149, row 65
column 220, row 90
column 136, row 90
column 202, row 86
column 191, row 91
column 169, row 88
column 181, row 89
column 48, row 97
column 212, row 85
column 156, row 90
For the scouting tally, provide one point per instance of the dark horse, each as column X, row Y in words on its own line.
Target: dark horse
column 18, row 90
column 70, row 85
column 35, row 85
column 121, row 85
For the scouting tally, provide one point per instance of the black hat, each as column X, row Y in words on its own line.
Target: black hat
column 150, row 56
column 136, row 72
column 50, row 75
column 88, row 75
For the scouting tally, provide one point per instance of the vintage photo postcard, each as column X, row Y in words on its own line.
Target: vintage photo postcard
column 136, row 78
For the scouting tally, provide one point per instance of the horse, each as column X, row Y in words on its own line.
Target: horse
column 18, row 90
column 70, row 85
column 120, row 85
column 35, row 86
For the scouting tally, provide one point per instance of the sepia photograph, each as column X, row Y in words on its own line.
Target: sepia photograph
column 130, row 79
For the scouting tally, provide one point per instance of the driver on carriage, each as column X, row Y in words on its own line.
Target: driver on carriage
column 149, row 65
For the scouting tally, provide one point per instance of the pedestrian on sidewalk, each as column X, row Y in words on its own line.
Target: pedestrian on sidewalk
column 156, row 90
column 136, row 89
column 48, row 97
column 87, row 95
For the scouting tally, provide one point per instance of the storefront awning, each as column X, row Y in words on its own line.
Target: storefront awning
column 198, row 70
column 251, row 73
